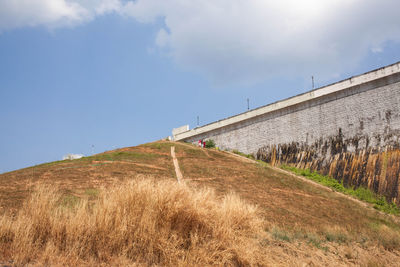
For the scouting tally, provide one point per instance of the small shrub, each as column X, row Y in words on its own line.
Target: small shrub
column 210, row 143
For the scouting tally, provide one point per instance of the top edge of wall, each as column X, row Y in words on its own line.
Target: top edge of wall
column 315, row 93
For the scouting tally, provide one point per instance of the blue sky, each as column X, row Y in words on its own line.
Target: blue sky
column 89, row 76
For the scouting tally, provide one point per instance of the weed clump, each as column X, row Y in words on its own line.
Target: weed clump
column 143, row 222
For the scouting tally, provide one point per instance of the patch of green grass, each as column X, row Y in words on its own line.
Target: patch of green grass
column 124, row 155
column 92, row 192
column 249, row 156
column 69, row 201
column 314, row 240
column 336, row 237
column 310, row 238
column 157, row 146
column 364, row 194
column 280, row 235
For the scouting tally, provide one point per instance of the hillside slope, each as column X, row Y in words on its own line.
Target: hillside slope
column 304, row 224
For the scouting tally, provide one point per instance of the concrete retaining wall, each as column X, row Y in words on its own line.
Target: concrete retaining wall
column 357, row 115
column 369, row 109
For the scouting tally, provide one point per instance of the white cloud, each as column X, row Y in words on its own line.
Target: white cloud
column 238, row 41
column 246, row 41
column 108, row 6
column 52, row 13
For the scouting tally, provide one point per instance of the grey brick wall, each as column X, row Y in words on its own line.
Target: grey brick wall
column 369, row 112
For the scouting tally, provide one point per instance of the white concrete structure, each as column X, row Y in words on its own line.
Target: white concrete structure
column 179, row 130
column 72, row 156
column 311, row 95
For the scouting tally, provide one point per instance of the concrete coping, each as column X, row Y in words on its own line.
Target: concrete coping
column 316, row 93
column 180, row 130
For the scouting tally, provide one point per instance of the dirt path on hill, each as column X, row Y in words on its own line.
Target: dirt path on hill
column 178, row 172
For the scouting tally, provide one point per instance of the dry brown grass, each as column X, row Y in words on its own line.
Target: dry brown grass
column 103, row 169
column 304, row 225
column 139, row 222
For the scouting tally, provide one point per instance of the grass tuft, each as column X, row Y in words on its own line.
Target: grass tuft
column 249, row 156
column 336, row 237
column 279, row 234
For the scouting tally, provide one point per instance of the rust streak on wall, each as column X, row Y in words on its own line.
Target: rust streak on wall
column 378, row 170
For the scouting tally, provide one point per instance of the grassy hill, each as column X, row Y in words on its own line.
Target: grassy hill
column 301, row 223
